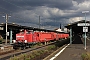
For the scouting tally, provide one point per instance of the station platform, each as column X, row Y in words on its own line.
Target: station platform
column 71, row 51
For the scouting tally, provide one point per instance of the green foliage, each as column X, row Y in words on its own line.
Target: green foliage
column 27, row 59
column 14, row 58
column 33, row 54
column 39, row 44
column 37, row 53
column 41, row 51
column 85, row 56
column 51, row 47
column 1, row 39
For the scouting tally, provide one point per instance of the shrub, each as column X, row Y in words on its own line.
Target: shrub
column 51, row 47
column 1, row 39
column 85, row 56
column 41, row 51
column 33, row 54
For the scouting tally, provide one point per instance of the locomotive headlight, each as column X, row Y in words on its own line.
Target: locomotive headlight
column 25, row 41
column 14, row 41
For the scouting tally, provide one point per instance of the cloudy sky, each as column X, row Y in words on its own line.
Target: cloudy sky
column 52, row 12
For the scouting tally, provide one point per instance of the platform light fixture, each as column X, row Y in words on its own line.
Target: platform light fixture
column 85, row 25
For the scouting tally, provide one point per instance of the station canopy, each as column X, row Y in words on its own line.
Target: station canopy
column 77, row 27
column 16, row 27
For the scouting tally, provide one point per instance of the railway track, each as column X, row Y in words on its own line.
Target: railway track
column 7, row 55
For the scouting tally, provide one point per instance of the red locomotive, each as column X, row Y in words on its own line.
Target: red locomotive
column 27, row 38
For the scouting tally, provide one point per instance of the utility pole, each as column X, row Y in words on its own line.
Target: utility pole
column 39, row 22
column 60, row 25
column 6, row 17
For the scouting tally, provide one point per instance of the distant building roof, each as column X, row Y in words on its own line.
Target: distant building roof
column 59, row 30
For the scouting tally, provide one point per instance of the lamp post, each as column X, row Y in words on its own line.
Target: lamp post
column 85, row 26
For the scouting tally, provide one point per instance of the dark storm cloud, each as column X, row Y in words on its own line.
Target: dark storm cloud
column 52, row 23
column 79, row 1
column 50, row 10
column 8, row 7
column 17, row 5
column 22, row 4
